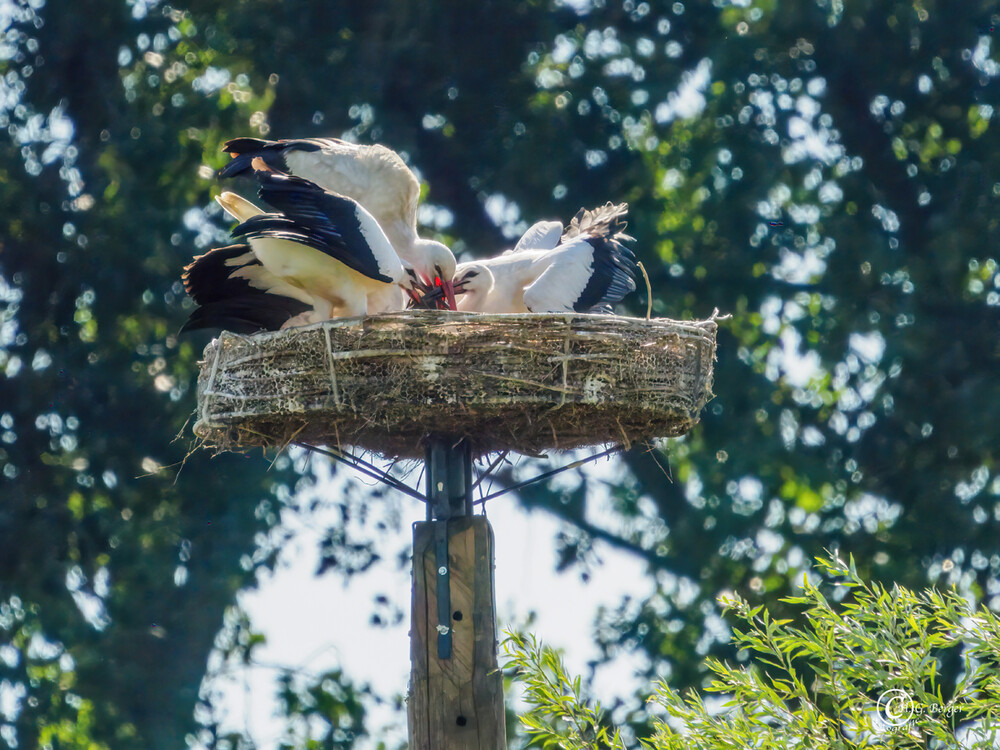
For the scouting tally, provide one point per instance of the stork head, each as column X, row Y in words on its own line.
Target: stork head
column 435, row 264
column 474, row 281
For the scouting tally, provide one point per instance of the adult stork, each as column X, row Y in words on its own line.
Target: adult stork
column 373, row 175
column 582, row 269
column 321, row 255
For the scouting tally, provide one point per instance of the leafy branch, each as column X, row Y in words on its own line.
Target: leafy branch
column 559, row 715
column 861, row 671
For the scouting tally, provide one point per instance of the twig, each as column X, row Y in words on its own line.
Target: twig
column 285, row 446
column 649, row 289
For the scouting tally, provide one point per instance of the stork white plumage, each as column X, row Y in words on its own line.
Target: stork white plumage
column 373, row 175
column 321, row 255
column 549, row 270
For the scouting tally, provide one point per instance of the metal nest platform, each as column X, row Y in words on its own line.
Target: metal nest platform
column 524, row 383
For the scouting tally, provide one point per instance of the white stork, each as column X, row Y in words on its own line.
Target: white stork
column 582, row 269
column 321, row 256
column 374, row 176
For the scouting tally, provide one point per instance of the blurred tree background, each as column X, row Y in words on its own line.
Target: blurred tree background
column 828, row 172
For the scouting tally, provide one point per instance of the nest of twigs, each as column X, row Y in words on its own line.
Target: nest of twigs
column 526, row 383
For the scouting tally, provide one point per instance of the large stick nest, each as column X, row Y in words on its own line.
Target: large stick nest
column 526, row 383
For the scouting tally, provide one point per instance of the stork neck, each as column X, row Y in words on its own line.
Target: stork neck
column 403, row 237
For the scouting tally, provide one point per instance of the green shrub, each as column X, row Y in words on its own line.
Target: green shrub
column 859, row 672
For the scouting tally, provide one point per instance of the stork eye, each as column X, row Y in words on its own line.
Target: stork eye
column 471, row 274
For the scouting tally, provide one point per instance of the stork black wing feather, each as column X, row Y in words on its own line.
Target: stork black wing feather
column 230, row 302
column 322, row 220
column 207, row 277
column 256, row 311
column 245, row 150
column 613, row 275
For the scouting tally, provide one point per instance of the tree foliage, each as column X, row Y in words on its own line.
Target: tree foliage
column 825, row 171
column 862, row 671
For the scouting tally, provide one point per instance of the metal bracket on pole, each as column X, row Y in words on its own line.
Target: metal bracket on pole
column 456, row 689
column 448, row 464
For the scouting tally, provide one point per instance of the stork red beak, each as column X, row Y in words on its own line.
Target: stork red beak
column 414, row 297
column 448, row 287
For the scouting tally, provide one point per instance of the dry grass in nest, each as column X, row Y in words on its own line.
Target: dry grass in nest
column 525, row 383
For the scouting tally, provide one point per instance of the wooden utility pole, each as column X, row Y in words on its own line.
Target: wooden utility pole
column 456, row 689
